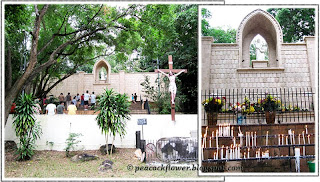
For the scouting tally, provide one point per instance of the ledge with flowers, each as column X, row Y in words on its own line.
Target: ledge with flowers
column 265, row 110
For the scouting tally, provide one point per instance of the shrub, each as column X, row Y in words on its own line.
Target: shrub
column 26, row 127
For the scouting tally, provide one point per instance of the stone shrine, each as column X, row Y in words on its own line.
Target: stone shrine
column 121, row 82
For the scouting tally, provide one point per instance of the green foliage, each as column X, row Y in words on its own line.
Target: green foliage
column 161, row 97
column 295, row 22
column 71, row 141
column 219, row 35
column 131, row 39
column 205, row 27
column 26, row 127
column 114, row 111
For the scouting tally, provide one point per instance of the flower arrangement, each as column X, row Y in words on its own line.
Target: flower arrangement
column 246, row 107
column 213, row 104
column 270, row 103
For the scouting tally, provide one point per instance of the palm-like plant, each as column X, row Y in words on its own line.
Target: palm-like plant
column 114, row 111
column 26, row 128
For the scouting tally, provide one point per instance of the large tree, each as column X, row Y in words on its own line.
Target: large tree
column 60, row 34
column 295, row 22
column 64, row 38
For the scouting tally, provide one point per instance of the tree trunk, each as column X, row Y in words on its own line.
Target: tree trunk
column 8, row 71
column 112, row 145
column 107, row 147
column 18, row 85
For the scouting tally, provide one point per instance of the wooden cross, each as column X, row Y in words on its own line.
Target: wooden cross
column 170, row 62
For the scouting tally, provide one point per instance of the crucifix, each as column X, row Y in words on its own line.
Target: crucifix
column 172, row 85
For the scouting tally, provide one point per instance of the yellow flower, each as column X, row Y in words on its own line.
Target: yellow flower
column 251, row 109
column 218, row 101
column 259, row 101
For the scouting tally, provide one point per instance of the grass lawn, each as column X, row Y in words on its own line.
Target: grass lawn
column 54, row 164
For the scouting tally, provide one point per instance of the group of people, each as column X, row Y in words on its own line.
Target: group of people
column 71, row 104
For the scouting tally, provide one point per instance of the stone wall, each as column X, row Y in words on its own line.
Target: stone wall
column 121, row 82
column 225, row 72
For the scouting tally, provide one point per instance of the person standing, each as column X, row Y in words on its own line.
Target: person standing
column 78, row 100
column 74, row 100
column 86, row 100
column 72, row 109
column 61, row 98
column 135, row 97
column 51, row 109
column 132, row 98
column 82, row 100
column 93, row 100
column 60, row 108
column 68, row 98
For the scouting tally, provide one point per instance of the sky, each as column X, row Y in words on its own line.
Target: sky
column 225, row 16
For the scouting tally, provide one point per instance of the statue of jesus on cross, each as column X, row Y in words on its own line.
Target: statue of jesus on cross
column 172, row 84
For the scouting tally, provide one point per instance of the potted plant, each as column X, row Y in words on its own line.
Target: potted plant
column 270, row 105
column 212, row 106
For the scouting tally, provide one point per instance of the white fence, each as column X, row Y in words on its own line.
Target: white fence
column 56, row 129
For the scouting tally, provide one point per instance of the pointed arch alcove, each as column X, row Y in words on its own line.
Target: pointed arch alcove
column 98, row 66
column 260, row 22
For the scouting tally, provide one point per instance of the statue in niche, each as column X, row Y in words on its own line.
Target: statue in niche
column 260, row 51
column 102, row 75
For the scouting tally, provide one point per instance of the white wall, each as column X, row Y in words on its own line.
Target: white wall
column 57, row 128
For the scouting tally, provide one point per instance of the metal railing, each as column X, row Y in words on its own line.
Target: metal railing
column 296, row 105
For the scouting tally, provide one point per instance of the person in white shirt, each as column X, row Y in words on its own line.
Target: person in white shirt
column 93, row 100
column 51, row 109
column 86, row 100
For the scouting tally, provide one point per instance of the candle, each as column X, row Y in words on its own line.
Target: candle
column 248, row 153
column 234, row 141
column 278, row 139
column 286, row 140
column 241, row 139
column 212, row 134
column 244, row 155
column 239, row 152
column 232, row 131
column 306, row 129
column 246, row 139
column 205, row 142
column 227, row 153
column 202, row 153
column 255, row 138
column 304, row 141
column 293, row 139
column 219, row 129
column 282, row 138
column 231, row 152
column 210, row 142
column 221, row 152
column 308, row 139
column 252, row 142
column 215, row 156
column 259, row 153
column 218, row 152
column 299, row 138
column 217, row 138
column 267, row 138
column 239, row 130
column 206, row 130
